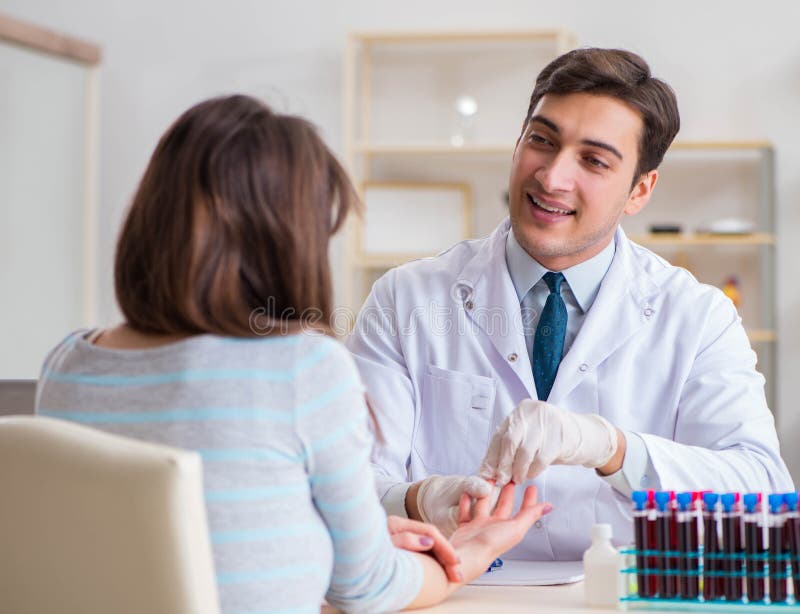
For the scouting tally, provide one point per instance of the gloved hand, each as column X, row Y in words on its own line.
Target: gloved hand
column 438, row 496
column 537, row 434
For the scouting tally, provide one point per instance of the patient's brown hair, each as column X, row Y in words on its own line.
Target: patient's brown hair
column 228, row 231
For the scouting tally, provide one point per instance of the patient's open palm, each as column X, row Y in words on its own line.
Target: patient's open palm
column 497, row 529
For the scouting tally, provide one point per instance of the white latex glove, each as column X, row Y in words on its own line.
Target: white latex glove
column 438, row 495
column 537, row 434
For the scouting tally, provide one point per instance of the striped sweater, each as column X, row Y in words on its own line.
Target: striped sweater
column 282, row 427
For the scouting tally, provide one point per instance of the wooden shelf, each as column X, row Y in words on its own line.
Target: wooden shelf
column 721, row 145
column 48, row 41
column 703, row 239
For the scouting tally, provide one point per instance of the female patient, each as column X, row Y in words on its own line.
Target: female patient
column 222, row 276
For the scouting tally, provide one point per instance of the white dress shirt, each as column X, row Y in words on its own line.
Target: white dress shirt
column 582, row 283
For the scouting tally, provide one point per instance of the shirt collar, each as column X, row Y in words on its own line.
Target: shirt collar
column 584, row 278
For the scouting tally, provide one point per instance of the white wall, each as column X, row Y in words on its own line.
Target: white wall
column 736, row 70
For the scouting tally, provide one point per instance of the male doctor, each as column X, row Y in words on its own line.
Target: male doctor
column 599, row 367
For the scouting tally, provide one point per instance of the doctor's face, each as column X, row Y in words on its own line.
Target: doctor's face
column 571, row 177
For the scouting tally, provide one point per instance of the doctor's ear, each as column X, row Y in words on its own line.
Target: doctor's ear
column 640, row 193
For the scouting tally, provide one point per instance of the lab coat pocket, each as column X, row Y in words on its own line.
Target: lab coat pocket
column 454, row 427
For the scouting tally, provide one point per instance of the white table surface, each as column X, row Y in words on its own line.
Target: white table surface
column 566, row 599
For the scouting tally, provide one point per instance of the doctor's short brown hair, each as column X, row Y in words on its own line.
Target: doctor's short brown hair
column 622, row 75
column 232, row 218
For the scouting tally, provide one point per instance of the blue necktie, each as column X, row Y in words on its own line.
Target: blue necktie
column 548, row 342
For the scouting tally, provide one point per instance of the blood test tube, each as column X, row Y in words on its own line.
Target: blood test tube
column 732, row 546
column 667, row 585
column 777, row 541
column 688, row 545
column 712, row 588
column 754, row 548
column 791, row 529
column 640, row 515
column 652, row 542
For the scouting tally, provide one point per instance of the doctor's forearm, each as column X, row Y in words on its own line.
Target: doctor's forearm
column 615, row 462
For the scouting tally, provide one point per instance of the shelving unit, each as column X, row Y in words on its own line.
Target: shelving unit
column 727, row 179
column 400, row 122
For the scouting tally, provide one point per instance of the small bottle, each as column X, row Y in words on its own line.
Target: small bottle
column 602, row 565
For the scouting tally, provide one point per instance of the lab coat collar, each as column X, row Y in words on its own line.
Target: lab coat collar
column 583, row 279
column 624, row 304
column 626, row 298
column 491, row 252
column 490, row 300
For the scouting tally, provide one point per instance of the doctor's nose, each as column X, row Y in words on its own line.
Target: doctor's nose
column 557, row 175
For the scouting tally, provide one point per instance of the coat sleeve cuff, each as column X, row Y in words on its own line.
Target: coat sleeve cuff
column 394, row 499
column 637, row 471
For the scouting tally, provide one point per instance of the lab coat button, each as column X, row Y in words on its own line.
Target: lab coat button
column 461, row 292
column 648, row 312
column 583, row 368
column 468, row 305
column 538, row 524
column 644, row 480
column 512, row 357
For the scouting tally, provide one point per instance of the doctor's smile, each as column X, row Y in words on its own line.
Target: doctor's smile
column 556, row 210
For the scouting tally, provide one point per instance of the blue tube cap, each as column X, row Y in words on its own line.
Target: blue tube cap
column 639, row 498
column 662, row 500
column 775, row 503
column 710, row 500
column 684, row 500
column 790, row 499
column 728, row 501
column 750, row 501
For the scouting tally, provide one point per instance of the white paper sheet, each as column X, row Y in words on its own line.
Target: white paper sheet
column 533, row 573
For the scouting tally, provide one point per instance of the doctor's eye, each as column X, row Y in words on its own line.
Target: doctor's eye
column 595, row 162
column 538, row 139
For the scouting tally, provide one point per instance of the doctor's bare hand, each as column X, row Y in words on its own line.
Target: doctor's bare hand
column 537, row 434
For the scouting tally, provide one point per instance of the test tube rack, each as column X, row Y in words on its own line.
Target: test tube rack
column 681, row 568
column 705, row 551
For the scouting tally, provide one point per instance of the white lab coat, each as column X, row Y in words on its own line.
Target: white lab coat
column 440, row 346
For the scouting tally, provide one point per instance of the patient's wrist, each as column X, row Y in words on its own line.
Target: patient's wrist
column 475, row 559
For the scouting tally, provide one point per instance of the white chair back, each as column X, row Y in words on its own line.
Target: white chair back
column 93, row 523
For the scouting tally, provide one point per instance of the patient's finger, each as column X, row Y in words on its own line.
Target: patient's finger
column 505, row 503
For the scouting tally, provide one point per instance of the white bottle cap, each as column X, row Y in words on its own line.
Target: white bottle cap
column 601, row 531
